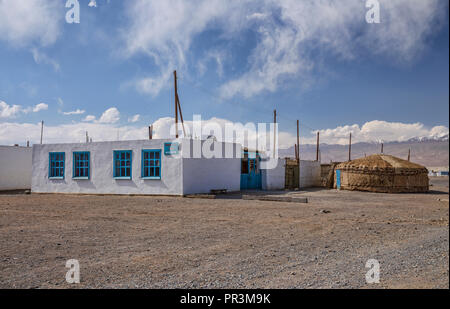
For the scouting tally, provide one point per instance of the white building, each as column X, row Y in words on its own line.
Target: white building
column 153, row 167
column 15, row 168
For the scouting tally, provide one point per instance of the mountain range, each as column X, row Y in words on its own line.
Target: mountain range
column 425, row 151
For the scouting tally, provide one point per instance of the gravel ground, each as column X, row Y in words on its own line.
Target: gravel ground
column 167, row 242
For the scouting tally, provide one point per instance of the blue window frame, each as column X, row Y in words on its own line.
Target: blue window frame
column 56, row 165
column 151, row 164
column 81, row 165
column 122, row 164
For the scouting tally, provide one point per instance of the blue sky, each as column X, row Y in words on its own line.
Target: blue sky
column 317, row 61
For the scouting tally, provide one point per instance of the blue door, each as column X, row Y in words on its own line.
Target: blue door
column 250, row 172
column 338, row 179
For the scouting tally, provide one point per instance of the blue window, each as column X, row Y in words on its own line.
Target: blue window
column 81, row 165
column 151, row 164
column 122, row 164
column 56, row 165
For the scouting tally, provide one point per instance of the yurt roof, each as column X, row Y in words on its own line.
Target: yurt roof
column 380, row 161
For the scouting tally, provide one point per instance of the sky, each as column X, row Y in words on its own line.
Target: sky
column 320, row 62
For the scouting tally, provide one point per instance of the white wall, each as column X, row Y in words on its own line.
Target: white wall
column 201, row 175
column 275, row 179
column 15, row 168
column 101, row 180
column 310, row 174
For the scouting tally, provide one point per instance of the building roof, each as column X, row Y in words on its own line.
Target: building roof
column 380, row 161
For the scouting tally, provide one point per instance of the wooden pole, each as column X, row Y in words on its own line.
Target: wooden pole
column 181, row 115
column 317, row 149
column 298, row 141
column 176, row 103
column 42, row 130
column 409, row 154
column 274, row 131
column 150, row 132
column 350, row 148
column 382, row 148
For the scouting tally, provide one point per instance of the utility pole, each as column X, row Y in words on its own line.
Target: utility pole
column 350, row 148
column 42, row 130
column 382, row 148
column 177, row 107
column 409, row 154
column 150, row 132
column 87, row 137
column 317, row 149
column 176, row 103
column 298, row 141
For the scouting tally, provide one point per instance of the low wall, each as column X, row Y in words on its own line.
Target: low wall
column 310, row 174
column 15, row 168
column 274, row 179
column 204, row 175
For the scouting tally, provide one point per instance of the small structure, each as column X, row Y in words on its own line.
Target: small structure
column 15, row 168
column 381, row 173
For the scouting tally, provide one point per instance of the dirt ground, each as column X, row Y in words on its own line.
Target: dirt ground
column 167, row 242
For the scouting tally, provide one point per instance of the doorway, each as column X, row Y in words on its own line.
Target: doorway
column 250, row 171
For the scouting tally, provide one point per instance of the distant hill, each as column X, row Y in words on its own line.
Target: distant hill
column 429, row 153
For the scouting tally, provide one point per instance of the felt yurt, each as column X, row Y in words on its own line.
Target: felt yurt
column 381, row 173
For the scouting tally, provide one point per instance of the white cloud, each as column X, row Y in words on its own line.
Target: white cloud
column 374, row 131
column 92, row 3
column 89, row 118
column 8, row 111
column 111, row 115
column 134, row 119
column 75, row 112
column 40, row 107
column 13, row 111
column 40, row 57
column 31, row 22
column 293, row 37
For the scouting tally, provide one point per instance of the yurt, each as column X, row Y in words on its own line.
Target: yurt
column 381, row 173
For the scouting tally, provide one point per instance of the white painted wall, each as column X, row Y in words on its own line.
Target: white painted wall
column 275, row 179
column 309, row 174
column 101, row 180
column 201, row 175
column 15, row 168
